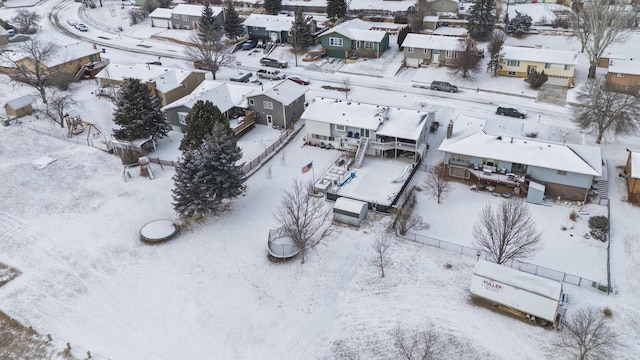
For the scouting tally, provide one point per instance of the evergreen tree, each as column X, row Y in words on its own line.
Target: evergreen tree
column 301, row 37
column 402, row 35
column 336, row 9
column 481, row 20
column 232, row 24
column 519, row 24
column 138, row 113
column 200, row 121
column 188, row 198
column 496, row 40
column 272, row 6
column 209, row 30
column 536, row 79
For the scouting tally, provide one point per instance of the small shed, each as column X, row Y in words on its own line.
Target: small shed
column 349, row 211
column 632, row 170
column 536, row 193
column 20, row 106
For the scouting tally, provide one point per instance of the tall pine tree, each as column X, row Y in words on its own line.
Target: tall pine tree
column 209, row 30
column 403, row 35
column 301, row 37
column 188, row 199
column 138, row 113
column 232, row 24
column 272, row 6
column 481, row 20
column 336, row 9
column 200, row 122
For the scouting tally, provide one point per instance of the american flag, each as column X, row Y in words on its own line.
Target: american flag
column 306, row 168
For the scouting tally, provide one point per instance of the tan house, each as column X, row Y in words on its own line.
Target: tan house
column 166, row 83
column 77, row 59
column 624, row 76
column 422, row 50
column 633, row 177
column 559, row 65
column 20, row 106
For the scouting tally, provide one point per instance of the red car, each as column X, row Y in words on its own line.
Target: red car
column 299, row 81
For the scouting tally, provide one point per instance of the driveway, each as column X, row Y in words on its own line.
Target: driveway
column 553, row 94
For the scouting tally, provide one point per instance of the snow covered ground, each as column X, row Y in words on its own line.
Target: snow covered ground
column 72, row 229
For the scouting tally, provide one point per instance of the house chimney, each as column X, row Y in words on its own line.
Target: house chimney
column 449, row 129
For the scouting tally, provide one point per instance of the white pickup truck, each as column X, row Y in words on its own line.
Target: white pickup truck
column 270, row 74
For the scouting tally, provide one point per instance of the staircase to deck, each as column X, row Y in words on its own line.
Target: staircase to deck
column 362, row 150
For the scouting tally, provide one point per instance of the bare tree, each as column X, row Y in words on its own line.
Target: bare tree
column 599, row 24
column 26, row 20
column 346, row 86
column 405, row 220
column 587, row 336
column 467, row 59
column 304, row 218
column 423, row 8
column 417, row 344
column 381, row 258
column 343, row 351
column 600, row 110
column 496, row 41
column 436, row 183
column 59, row 105
column 213, row 54
column 508, row 233
column 35, row 73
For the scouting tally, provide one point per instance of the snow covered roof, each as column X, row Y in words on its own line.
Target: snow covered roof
column 161, row 13
column 520, row 279
column 630, row 67
column 421, row 41
column 223, row 95
column 349, row 205
column 635, row 164
column 357, row 29
column 166, row 79
column 270, row 22
column 387, row 121
column 285, row 92
column 471, row 139
column 540, row 55
column 71, row 52
column 20, row 102
column 450, row 31
column 194, row 10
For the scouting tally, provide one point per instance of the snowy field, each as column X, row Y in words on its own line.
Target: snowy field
column 72, row 229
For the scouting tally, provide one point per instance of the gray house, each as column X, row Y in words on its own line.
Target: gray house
column 280, row 105
column 276, row 28
column 494, row 156
column 185, row 16
column 421, row 50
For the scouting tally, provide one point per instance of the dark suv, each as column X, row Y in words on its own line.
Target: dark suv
column 511, row 111
column 273, row 63
column 443, row 86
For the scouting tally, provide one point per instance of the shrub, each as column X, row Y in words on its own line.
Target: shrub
column 536, row 79
column 599, row 226
column 573, row 215
column 607, row 312
column 564, row 228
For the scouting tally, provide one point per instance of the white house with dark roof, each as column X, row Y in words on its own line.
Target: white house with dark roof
column 367, row 129
column 280, row 105
column 484, row 153
column 274, row 28
column 230, row 98
column 560, row 65
column 183, row 16
column 166, row 83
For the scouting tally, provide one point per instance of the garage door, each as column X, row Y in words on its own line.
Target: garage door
column 161, row 23
column 413, row 62
column 558, row 81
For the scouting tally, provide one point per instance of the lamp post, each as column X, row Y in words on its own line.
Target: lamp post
column 478, row 253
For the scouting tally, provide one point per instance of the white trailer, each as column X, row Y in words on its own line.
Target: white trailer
column 520, row 293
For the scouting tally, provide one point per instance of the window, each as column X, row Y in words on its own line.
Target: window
column 251, row 102
column 269, row 119
column 512, row 73
column 340, row 127
column 367, row 44
column 547, row 66
column 426, row 51
column 567, row 67
column 268, row 105
column 459, row 158
column 450, row 54
column 410, row 50
column 562, row 173
column 175, row 16
column 255, row 28
column 458, row 172
column 182, row 118
column 620, row 75
column 185, row 18
column 335, row 41
column 185, row 85
column 513, row 62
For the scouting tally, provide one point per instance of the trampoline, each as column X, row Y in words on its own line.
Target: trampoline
column 280, row 246
column 158, row 231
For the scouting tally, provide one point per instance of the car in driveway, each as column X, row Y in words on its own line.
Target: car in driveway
column 443, row 86
column 299, row 80
column 82, row 27
column 507, row 110
column 249, row 44
column 273, row 63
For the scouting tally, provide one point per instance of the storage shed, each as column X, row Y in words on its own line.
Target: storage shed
column 349, row 211
column 536, row 193
column 632, row 170
column 20, row 106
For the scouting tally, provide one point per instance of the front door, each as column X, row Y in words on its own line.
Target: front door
column 530, row 69
column 435, row 56
column 269, row 119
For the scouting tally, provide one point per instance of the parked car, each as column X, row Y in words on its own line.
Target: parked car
column 19, row 38
column 273, row 63
column 82, row 27
column 261, row 44
column 512, row 111
column 270, row 74
column 249, row 44
column 243, row 78
column 299, row 81
column 11, row 32
column 443, row 86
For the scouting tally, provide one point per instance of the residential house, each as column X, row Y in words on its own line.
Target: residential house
column 276, row 28
column 454, row 31
column 367, row 129
column 421, row 50
column 624, row 76
column 230, row 98
column 493, row 155
column 632, row 170
column 183, row 16
column 280, row 105
column 20, row 106
column 4, row 36
column 559, row 65
column 354, row 38
column 166, row 83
